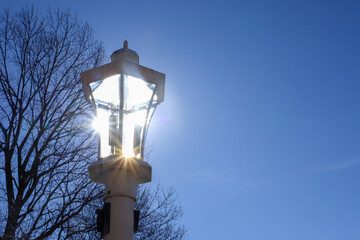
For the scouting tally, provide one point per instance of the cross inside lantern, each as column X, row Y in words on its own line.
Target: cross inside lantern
column 124, row 95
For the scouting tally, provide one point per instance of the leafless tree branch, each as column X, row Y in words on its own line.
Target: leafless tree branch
column 44, row 149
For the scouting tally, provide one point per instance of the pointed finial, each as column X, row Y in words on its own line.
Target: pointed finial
column 126, row 44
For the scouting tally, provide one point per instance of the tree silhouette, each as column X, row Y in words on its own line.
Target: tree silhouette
column 159, row 214
column 44, row 149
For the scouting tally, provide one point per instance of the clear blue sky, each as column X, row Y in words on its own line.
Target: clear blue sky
column 259, row 133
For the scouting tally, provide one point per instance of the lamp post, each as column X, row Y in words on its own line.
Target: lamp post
column 124, row 96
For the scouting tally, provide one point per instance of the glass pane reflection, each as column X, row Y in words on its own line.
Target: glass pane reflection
column 139, row 102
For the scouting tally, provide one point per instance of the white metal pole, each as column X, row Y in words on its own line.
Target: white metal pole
column 120, row 193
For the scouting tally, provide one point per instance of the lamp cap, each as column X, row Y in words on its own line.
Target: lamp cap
column 125, row 54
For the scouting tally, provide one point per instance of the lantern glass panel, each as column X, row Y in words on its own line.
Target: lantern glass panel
column 124, row 106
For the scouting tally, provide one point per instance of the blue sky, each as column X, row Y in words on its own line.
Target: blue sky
column 259, row 132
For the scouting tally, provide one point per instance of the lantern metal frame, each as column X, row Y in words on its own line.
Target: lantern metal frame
column 124, row 67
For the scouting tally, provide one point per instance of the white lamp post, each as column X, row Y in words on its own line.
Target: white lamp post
column 124, row 95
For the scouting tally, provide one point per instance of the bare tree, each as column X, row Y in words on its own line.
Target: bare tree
column 45, row 146
column 44, row 151
column 159, row 215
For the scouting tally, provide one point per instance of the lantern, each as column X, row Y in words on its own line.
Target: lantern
column 124, row 96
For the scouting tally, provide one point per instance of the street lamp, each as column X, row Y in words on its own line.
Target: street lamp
column 124, row 96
